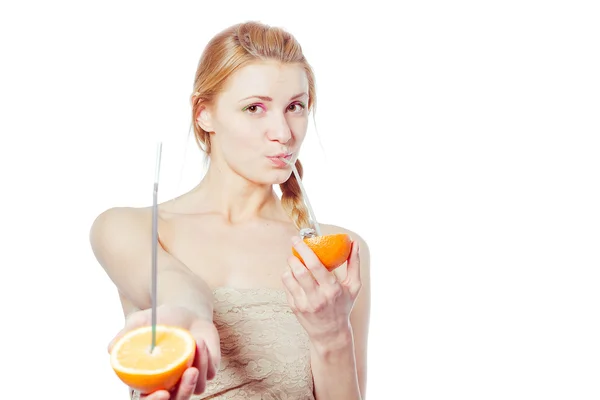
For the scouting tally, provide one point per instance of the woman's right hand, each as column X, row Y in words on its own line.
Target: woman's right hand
column 208, row 349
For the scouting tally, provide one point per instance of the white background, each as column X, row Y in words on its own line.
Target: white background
column 460, row 139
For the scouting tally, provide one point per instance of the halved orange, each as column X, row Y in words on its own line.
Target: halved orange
column 333, row 250
column 162, row 368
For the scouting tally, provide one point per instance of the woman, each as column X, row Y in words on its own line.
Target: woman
column 266, row 326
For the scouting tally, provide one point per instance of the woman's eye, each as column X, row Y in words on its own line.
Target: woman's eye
column 253, row 109
column 296, row 107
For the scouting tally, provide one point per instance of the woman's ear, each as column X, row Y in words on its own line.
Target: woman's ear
column 203, row 119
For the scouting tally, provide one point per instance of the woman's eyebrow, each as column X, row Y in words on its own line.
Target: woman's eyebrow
column 267, row 98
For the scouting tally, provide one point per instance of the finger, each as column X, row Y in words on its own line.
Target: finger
column 302, row 275
column 213, row 365
column 353, row 268
column 290, row 299
column 293, row 287
column 321, row 275
column 186, row 386
column 202, row 365
column 210, row 338
column 158, row 395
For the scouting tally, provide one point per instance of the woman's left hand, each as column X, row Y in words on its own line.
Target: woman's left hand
column 320, row 301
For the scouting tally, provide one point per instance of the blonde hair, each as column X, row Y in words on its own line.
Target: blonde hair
column 231, row 50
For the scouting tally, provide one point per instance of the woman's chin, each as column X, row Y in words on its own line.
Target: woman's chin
column 278, row 177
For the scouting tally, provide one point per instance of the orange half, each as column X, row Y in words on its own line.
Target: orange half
column 162, row 368
column 332, row 250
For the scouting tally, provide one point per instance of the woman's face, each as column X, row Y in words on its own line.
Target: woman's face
column 261, row 115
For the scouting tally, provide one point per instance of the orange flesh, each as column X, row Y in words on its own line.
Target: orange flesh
column 135, row 353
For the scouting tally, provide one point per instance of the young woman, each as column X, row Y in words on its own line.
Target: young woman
column 266, row 326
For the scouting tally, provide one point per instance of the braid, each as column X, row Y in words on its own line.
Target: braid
column 292, row 200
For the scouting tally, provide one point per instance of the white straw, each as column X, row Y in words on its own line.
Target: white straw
column 310, row 210
column 155, row 243
column 158, row 157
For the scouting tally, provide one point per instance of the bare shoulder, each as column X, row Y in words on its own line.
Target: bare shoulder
column 118, row 222
column 125, row 214
column 120, row 241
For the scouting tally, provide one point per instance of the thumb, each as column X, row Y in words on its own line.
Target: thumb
column 353, row 269
column 134, row 320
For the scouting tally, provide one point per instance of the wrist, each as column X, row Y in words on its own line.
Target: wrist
column 334, row 347
column 179, row 289
column 197, row 311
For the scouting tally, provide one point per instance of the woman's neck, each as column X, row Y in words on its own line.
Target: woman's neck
column 236, row 198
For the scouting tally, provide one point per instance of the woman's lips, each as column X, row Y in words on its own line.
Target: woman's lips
column 281, row 160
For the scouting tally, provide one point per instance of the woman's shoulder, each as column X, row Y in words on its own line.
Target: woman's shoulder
column 132, row 217
column 329, row 229
column 120, row 224
column 122, row 216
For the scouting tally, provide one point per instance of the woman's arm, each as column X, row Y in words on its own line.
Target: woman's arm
column 335, row 314
column 340, row 366
column 121, row 240
column 334, row 368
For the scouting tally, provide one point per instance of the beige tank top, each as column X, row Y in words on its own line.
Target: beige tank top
column 265, row 351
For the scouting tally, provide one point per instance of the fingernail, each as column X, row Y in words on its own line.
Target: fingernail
column 296, row 239
column 192, row 378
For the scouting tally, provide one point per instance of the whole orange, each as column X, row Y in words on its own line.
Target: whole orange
column 332, row 250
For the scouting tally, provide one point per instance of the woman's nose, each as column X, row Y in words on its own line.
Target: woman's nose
column 280, row 130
